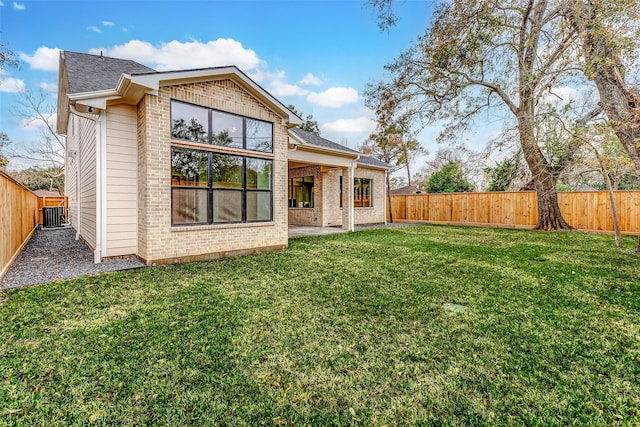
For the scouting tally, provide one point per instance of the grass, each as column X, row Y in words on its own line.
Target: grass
column 421, row 325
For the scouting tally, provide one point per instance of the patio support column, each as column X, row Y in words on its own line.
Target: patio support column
column 348, row 174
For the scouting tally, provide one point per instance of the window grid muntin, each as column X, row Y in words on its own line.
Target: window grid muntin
column 211, row 189
column 211, row 112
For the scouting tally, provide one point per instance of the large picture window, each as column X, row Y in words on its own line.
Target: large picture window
column 211, row 188
column 301, row 192
column 205, row 125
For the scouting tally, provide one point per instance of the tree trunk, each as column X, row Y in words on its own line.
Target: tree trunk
column 549, row 215
column 612, row 201
column 621, row 107
column 603, row 65
column 545, row 180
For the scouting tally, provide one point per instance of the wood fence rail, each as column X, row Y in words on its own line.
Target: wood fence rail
column 588, row 211
column 18, row 218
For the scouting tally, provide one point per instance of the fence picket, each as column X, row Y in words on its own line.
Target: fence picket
column 588, row 211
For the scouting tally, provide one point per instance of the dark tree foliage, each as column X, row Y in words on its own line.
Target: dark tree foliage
column 308, row 124
column 449, row 179
column 503, row 174
column 35, row 178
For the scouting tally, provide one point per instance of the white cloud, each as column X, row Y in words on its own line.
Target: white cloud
column 18, row 6
column 108, row 23
column 359, row 124
column 12, row 85
column 311, row 80
column 44, row 58
column 1, row 4
column 335, row 97
column 279, row 88
column 177, row 55
column 276, row 83
column 49, row 87
column 94, row 29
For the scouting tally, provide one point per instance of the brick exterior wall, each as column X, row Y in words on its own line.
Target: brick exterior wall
column 377, row 213
column 332, row 215
column 158, row 241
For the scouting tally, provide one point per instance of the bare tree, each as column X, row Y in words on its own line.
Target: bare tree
column 7, row 57
column 37, row 110
column 393, row 144
column 484, row 54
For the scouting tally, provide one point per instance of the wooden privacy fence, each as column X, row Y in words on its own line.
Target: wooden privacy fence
column 18, row 218
column 588, row 211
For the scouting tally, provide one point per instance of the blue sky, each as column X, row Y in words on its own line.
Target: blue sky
column 316, row 55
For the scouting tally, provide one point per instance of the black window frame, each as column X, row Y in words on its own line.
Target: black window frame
column 210, row 123
column 211, row 189
column 292, row 201
column 354, row 192
column 362, row 180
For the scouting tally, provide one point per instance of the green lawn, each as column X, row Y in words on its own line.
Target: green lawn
column 420, row 325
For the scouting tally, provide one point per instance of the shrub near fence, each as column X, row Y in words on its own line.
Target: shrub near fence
column 18, row 218
column 588, row 211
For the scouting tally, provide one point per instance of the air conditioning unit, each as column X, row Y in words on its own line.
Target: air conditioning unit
column 53, row 216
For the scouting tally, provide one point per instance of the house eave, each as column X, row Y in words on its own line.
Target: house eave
column 318, row 149
column 369, row 166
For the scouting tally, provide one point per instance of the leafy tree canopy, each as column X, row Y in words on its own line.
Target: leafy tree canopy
column 449, row 179
column 51, row 178
column 308, row 124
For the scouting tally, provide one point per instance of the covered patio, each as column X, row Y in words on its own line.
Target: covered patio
column 319, row 171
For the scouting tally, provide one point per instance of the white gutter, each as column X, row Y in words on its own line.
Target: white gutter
column 101, row 197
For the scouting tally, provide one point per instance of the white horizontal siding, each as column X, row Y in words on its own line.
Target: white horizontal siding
column 122, row 181
column 87, row 165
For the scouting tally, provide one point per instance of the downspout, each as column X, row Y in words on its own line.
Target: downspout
column 97, row 252
column 101, row 221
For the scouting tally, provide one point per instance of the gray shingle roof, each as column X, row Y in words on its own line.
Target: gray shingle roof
column 408, row 190
column 90, row 73
column 313, row 139
column 372, row 161
column 319, row 141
